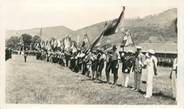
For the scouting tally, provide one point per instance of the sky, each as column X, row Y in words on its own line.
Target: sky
column 75, row 14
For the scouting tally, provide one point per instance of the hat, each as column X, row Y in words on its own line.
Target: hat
column 151, row 51
column 138, row 47
column 130, row 51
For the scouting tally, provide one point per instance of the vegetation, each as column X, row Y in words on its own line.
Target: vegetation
column 24, row 41
column 13, row 42
column 41, row 82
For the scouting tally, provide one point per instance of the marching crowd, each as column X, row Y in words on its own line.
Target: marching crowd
column 94, row 62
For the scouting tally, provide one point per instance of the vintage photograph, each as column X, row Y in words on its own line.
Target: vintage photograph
column 79, row 53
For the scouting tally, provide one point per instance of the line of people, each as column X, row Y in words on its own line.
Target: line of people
column 93, row 63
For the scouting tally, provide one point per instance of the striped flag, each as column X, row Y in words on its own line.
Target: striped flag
column 127, row 39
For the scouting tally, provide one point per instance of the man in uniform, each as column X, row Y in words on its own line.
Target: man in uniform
column 127, row 59
column 137, row 68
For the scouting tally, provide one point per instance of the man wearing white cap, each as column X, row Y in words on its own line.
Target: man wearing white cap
column 151, row 67
column 137, row 68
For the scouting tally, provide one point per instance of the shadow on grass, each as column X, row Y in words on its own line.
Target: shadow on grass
column 98, row 81
column 163, row 95
column 159, row 94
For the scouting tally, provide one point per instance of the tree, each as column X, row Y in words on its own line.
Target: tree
column 27, row 40
column 36, row 39
column 13, row 42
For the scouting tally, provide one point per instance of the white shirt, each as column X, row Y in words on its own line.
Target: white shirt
column 151, row 63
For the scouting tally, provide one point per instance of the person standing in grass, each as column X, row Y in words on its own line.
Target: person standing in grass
column 173, row 77
column 127, row 59
column 101, row 60
column 151, row 66
column 137, row 68
column 25, row 55
column 94, row 65
column 107, row 67
column 114, row 64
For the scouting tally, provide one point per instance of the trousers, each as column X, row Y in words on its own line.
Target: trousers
column 126, row 79
column 137, row 80
column 114, row 70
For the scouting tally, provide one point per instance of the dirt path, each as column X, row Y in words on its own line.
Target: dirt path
column 42, row 82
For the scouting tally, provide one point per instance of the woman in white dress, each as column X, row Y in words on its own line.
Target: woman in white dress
column 151, row 67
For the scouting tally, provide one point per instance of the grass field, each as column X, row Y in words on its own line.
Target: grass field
column 39, row 82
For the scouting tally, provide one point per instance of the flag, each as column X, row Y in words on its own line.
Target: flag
column 99, row 37
column 85, row 42
column 47, row 45
column 67, row 43
column 110, row 28
column 42, row 44
column 78, row 39
column 58, row 43
column 74, row 47
column 127, row 39
column 119, row 26
column 116, row 25
column 55, row 43
column 52, row 43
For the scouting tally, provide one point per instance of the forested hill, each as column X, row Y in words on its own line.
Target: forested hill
column 153, row 28
column 160, row 27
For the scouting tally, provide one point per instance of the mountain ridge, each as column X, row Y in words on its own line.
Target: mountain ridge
column 152, row 28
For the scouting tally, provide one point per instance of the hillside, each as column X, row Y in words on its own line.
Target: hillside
column 92, row 31
column 57, row 32
column 153, row 28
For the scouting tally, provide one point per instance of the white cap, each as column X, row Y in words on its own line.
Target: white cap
column 130, row 51
column 151, row 51
column 139, row 47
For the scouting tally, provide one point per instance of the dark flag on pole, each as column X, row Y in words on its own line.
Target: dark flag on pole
column 116, row 24
column 99, row 37
column 110, row 28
